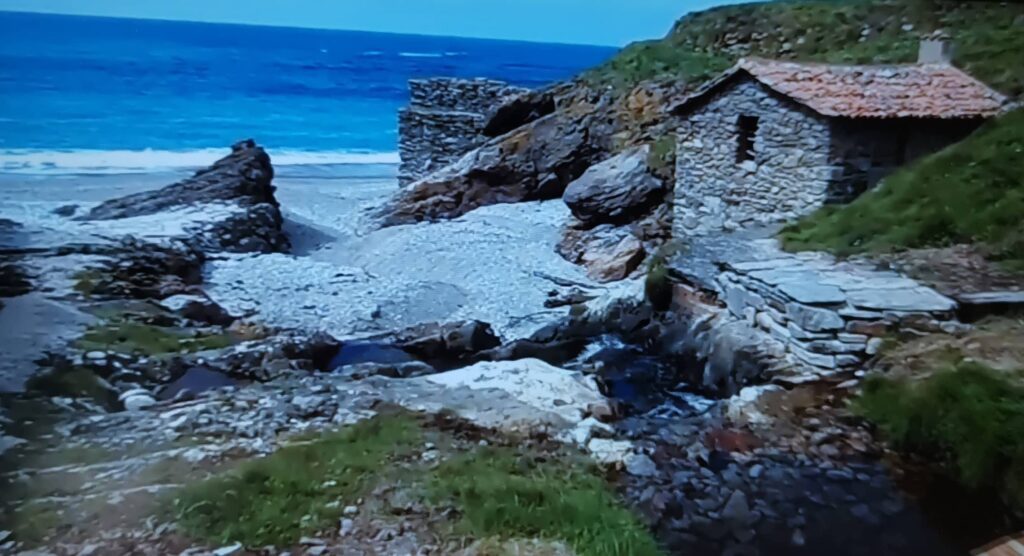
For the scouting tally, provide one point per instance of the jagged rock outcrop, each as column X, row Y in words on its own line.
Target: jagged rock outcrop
column 519, row 111
column 141, row 270
column 445, row 120
column 536, row 161
column 244, row 214
column 616, row 190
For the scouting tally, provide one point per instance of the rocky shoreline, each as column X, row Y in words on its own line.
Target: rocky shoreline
column 203, row 342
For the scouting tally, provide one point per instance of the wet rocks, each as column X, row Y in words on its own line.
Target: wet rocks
column 444, row 342
column 239, row 182
column 616, row 190
column 13, row 280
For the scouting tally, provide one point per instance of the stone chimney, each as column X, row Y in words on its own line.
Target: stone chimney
column 936, row 48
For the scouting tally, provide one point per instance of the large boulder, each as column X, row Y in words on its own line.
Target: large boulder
column 616, row 191
column 237, row 190
column 534, row 162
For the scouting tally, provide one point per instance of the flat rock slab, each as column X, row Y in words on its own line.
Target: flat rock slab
column 974, row 306
column 813, row 293
column 919, row 299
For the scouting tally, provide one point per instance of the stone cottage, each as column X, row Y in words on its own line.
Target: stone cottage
column 768, row 141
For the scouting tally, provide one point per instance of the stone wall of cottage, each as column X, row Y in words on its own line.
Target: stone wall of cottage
column 865, row 151
column 788, row 175
column 443, row 122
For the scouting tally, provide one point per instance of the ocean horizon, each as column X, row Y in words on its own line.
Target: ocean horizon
column 93, row 95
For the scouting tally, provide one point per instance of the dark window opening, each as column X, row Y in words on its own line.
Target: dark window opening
column 747, row 129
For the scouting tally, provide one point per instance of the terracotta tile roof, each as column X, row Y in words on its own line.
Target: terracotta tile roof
column 1005, row 546
column 892, row 91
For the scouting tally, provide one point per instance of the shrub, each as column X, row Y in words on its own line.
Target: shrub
column 657, row 285
column 970, row 416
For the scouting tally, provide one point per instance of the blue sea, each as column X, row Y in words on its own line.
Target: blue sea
column 102, row 95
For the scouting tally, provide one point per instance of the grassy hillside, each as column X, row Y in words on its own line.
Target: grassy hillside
column 989, row 38
column 971, row 192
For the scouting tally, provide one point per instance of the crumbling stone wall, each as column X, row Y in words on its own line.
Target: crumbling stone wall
column 444, row 121
column 787, row 174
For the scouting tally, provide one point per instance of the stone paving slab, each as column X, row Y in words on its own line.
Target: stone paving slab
column 829, row 313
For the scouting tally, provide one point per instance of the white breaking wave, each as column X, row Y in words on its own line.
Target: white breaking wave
column 37, row 161
column 421, row 54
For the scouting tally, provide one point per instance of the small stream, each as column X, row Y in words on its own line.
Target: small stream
column 714, row 490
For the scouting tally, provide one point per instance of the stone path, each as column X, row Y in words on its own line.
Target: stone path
column 829, row 313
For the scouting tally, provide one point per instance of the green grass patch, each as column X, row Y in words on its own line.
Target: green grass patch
column 988, row 39
column 501, row 493
column 662, row 158
column 498, row 493
column 656, row 59
column 145, row 339
column 657, row 285
column 971, row 192
column 86, row 281
column 32, row 524
column 277, row 499
column 72, row 382
column 967, row 415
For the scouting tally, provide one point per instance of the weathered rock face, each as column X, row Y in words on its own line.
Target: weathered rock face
column 608, row 252
column 519, row 111
column 141, row 270
column 616, row 190
column 239, row 183
column 534, row 162
column 444, row 120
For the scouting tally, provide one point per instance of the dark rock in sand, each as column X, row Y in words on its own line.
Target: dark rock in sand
column 194, row 381
column 66, row 210
column 408, row 369
column 616, row 190
column 13, row 280
column 452, row 341
column 445, row 342
column 572, row 297
column 519, row 111
column 536, row 161
column 321, row 349
column 148, row 271
column 554, row 353
column 241, row 180
column 198, row 308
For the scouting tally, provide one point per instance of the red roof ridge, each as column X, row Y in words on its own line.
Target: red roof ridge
column 935, row 90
